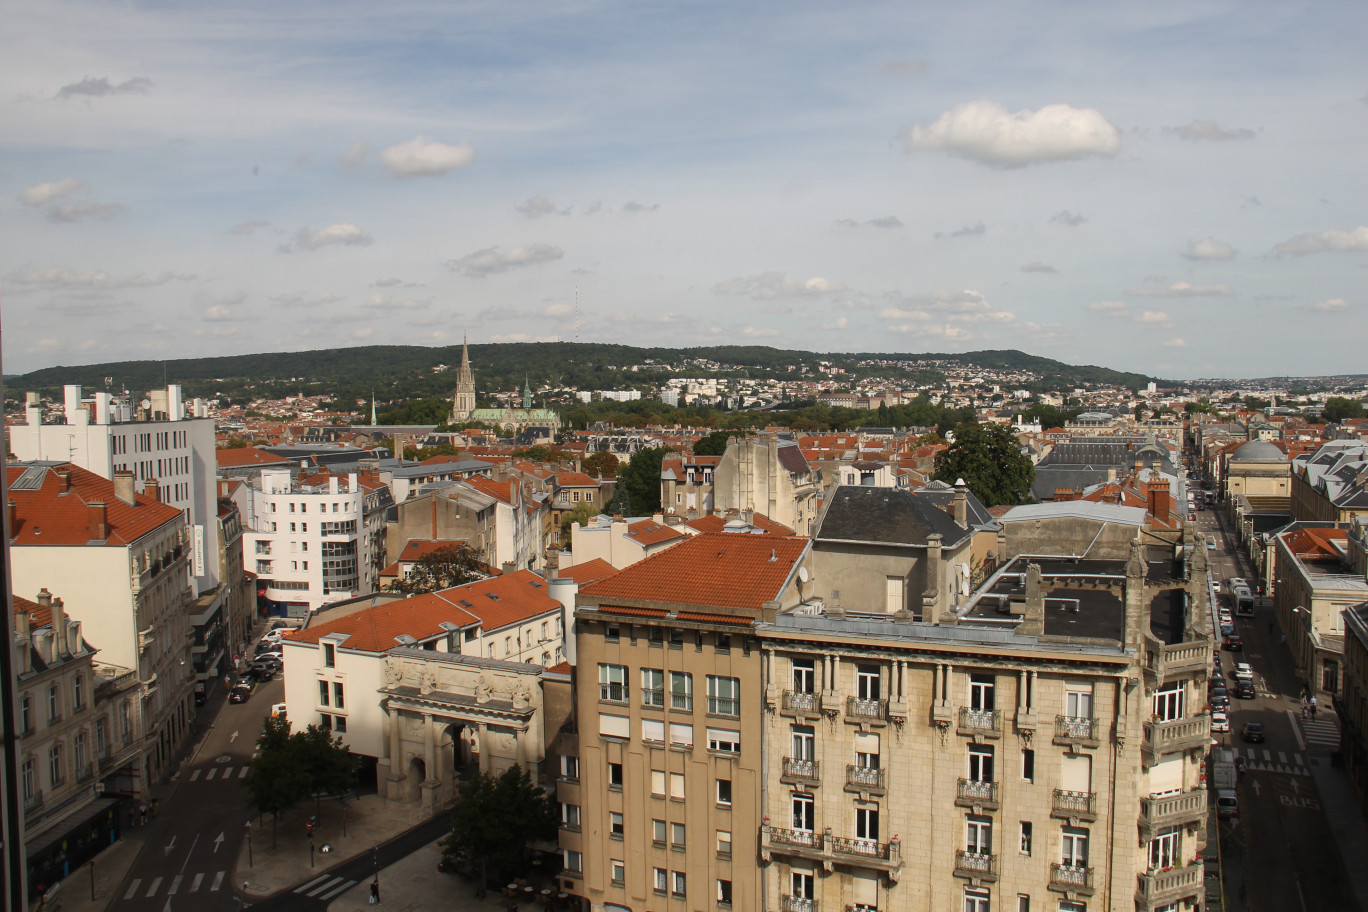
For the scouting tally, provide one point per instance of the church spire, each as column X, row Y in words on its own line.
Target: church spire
column 463, row 402
column 527, row 393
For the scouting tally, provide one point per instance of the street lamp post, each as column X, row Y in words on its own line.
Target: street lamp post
column 249, row 843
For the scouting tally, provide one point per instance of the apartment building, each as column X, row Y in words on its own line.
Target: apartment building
column 661, row 790
column 1316, row 579
column 686, row 485
column 770, row 476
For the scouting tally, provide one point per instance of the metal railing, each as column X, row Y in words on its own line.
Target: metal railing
column 800, row 701
column 974, row 864
column 1075, row 729
column 864, row 776
column 980, row 721
column 797, row 768
column 977, row 792
column 1071, row 877
column 866, row 709
column 1075, row 804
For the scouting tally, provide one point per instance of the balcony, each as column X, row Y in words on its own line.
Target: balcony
column 808, row 772
column 1074, row 880
column 864, row 779
column 975, row 867
column 1183, row 809
column 84, row 773
column 1076, row 731
column 1160, row 888
column 861, row 907
column 1074, row 807
column 34, row 801
column 858, row 710
column 797, row 904
column 978, row 794
column 1178, row 659
column 1173, row 737
column 831, row 850
column 980, row 723
column 799, row 703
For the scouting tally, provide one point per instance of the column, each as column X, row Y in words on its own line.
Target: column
column 484, row 754
column 429, row 747
column 396, row 747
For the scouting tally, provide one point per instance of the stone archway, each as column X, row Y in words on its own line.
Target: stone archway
column 413, row 783
column 465, row 750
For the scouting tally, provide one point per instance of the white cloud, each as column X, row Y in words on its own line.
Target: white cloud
column 536, row 206
column 932, row 330
column 42, row 194
column 75, row 211
column 1111, row 307
column 354, row 156
column 218, row 313
column 885, row 221
column 1181, row 290
column 493, row 260
column 1208, row 248
column 1209, row 131
column 770, row 285
column 1175, row 342
column 1065, row 217
column 138, row 85
column 1038, row 266
column 558, row 309
column 344, row 234
column 752, row 332
column 634, row 206
column 1333, row 240
column 422, row 157
column 390, row 303
column 304, row 299
column 242, row 228
column 967, row 306
column 1332, row 305
column 1154, row 318
column 838, row 324
column 55, row 277
column 967, row 231
column 984, row 131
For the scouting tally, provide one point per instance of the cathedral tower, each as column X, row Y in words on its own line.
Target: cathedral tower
column 463, row 402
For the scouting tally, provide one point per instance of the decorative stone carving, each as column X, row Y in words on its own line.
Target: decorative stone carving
column 394, row 671
column 483, row 692
column 428, row 682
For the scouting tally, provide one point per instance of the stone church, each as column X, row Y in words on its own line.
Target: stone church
column 542, row 423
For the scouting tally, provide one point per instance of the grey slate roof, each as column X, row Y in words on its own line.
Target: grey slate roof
column 884, row 516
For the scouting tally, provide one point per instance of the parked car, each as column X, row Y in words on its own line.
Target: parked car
column 1245, row 690
column 1227, row 629
column 1219, row 721
column 242, row 691
column 1219, row 700
column 1253, row 732
column 1234, row 643
column 261, row 671
column 1211, row 542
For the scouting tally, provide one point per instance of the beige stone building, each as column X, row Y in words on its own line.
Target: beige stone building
column 1257, row 468
column 769, row 476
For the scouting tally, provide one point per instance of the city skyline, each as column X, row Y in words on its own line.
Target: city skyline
column 1175, row 190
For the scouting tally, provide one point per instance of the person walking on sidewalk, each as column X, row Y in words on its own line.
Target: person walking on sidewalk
column 375, row 893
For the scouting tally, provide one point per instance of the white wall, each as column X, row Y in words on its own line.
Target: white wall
column 362, row 676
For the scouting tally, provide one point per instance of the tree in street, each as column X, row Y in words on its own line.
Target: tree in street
column 497, row 818
column 989, row 459
column 290, row 767
column 450, row 565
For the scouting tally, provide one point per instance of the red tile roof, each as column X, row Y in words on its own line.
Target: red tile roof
column 715, row 618
column 562, row 668
column 43, row 516
column 575, row 480
column 416, row 550
column 726, row 571
column 588, row 572
column 635, row 612
column 648, row 532
column 38, row 615
column 714, row 523
column 1315, row 544
column 238, row 457
column 499, row 490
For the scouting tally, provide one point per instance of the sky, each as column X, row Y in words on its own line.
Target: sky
column 1174, row 188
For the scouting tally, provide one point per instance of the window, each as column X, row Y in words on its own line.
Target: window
column 658, row 832
column 893, row 594
column 653, row 731
column 1169, row 702
column 658, row 783
column 677, row 786
column 340, row 724
column 724, row 794
column 323, row 693
column 981, row 762
column 29, row 780
column 569, row 767
column 79, row 751
column 329, row 655
column 1028, row 764
column 615, row 775
column 677, row 883
column 801, row 883
column 615, row 827
column 681, row 691
column 101, row 738
column 867, row 750
column 676, row 639
column 804, row 676
column 867, row 682
column 724, row 843
column 54, row 704
column 574, row 861
column 612, row 633
column 613, row 683
column 652, row 687
column 338, row 695
column 1023, row 903
column 1163, row 848
column 26, row 714
column 804, row 743
column 1074, row 847
column 723, row 643
column 978, row 839
column 724, row 740
column 325, row 721
column 1078, row 703
column 981, row 696
column 804, row 812
column 681, row 735
column 1025, row 837
column 77, row 695
column 619, row 871
column 677, row 835
column 976, row 900
column 662, row 879
column 867, row 823
column 724, row 894
column 724, row 696
column 1073, row 905
column 55, row 768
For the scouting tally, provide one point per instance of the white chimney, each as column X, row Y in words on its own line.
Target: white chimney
column 103, row 402
column 71, row 395
column 175, row 405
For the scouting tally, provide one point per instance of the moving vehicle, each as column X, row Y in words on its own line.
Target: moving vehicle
column 1245, row 690
column 1227, row 629
column 1234, row 644
column 1223, row 777
column 242, row 691
column 1243, row 672
column 1253, row 732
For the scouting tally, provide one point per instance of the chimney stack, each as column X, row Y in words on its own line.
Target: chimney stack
column 1063, row 495
column 152, row 488
column 44, row 597
column 59, row 629
column 123, row 486
column 98, row 521
column 509, row 568
column 63, row 480
column 11, row 517
column 961, row 503
column 1158, row 495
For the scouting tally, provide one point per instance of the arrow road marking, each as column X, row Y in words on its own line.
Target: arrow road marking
column 169, row 846
column 1255, row 784
column 218, row 842
column 232, row 737
column 1296, row 786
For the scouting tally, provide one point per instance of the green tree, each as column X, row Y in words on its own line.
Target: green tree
column 989, row 459
column 1338, row 408
column 581, row 513
column 450, row 565
column 274, row 781
column 601, row 465
column 640, row 481
column 715, row 444
column 327, row 766
column 497, row 818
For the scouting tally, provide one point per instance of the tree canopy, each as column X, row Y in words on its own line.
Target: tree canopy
column 639, row 481
column 1339, row 408
column 290, row 767
column 496, row 820
column 447, row 566
column 715, row 444
column 601, row 465
column 989, row 459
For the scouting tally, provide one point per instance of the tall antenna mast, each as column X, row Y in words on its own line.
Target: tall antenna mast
column 577, row 314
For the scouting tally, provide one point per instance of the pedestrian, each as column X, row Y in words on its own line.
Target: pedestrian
column 375, row 892
column 154, row 808
column 142, row 814
column 1313, row 710
column 1306, row 712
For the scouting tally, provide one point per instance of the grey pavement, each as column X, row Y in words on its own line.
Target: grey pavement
column 1342, row 812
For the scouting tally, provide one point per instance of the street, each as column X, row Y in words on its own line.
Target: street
column 1279, row 853
column 193, row 841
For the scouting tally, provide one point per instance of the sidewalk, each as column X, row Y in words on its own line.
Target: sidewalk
column 1341, row 812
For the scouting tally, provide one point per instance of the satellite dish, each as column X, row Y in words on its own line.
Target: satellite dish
column 803, row 575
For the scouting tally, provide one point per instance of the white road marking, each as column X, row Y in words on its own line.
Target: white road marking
column 133, row 887
column 329, row 884
column 209, row 774
column 152, row 890
column 242, row 773
column 1296, row 730
column 341, row 888
column 175, row 885
column 195, row 884
column 319, row 879
column 218, row 882
column 195, row 775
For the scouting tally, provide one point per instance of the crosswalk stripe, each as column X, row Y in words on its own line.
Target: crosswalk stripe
column 195, row 775
column 302, row 887
column 326, row 885
column 1282, row 757
column 242, row 773
column 133, row 887
column 218, row 882
column 152, row 890
column 175, row 885
column 195, row 884
column 209, row 774
column 341, row 888
column 1268, row 756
